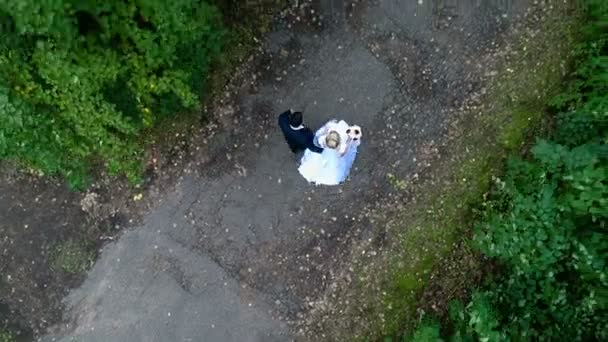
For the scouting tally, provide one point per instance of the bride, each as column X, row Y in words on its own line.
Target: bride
column 331, row 167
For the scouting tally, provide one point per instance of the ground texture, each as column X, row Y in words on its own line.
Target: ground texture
column 227, row 242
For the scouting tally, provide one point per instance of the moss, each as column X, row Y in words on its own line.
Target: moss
column 398, row 184
column 72, row 257
column 409, row 281
column 513, row 134
column 423, row 247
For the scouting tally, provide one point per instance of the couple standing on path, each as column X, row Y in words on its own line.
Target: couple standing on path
column 329, row 153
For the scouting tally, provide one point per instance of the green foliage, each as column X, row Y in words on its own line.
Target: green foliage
column 552, row 238
column 583, row 105
column 545, row 223
column 476, row 322
column 80, row 79
column 6, row 336
column 428, row 331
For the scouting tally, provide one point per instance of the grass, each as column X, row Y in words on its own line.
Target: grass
column 428, row 231
column 72, row 257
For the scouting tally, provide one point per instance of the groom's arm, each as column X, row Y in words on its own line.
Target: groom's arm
column 315, row 148
column 284, row 119
column 311, row 142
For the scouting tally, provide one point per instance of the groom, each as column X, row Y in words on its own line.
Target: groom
column 298, row 137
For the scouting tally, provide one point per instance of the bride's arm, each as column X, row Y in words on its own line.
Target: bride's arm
column 319, row 140
column 321, row 131
column 350, row 144
column 344, row 148
column 321, row 134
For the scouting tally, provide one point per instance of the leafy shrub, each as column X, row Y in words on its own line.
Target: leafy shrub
column 552, row 234
column 546, row 222
column 6, row 336
column 476, row 322
column 80, row 79
column 552, row 238
column 428, row 331
column 583, row 105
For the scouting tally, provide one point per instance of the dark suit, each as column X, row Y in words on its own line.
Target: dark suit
column 297, row 139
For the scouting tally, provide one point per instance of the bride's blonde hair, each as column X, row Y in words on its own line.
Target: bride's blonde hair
column 332, row 140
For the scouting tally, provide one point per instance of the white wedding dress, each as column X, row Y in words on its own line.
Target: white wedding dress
column 333, row 165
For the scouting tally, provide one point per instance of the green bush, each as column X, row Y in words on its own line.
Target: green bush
column 548, row 225
column 429, row 331
column 475, row 322
column 6, row 336
column 545, row 223
column 80, row 79
column 552, row 239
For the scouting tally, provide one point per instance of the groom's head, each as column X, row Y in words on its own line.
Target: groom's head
column 295, row 119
